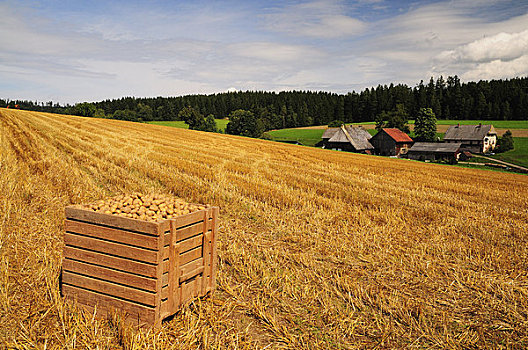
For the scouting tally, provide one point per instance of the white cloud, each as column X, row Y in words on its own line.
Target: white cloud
column 498, row 69
column 275, row 52
column 502, row 46
column 504, row 55
column 447, row 38
column 318, row 19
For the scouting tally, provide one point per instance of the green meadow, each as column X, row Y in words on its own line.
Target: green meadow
column 220, row 124
column 518, row 155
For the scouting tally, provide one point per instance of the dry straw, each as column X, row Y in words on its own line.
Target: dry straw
column 318, row 249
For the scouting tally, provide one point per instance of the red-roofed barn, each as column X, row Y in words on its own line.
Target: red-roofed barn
column 391, row 142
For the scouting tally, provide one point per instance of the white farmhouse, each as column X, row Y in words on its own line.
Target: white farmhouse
column 474, row 138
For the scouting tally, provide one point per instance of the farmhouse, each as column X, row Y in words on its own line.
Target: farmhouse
column 435, row 151
column 391, row 142
column 474, row 138
column 347, row 138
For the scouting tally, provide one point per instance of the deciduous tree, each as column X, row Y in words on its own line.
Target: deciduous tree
column 335, row 123
column 425, row 125
column 210, row 124
column 397, row 118
column 244, row 123
column 144, row 112
column 193, row 118
column 505, row 143
column 85, row 109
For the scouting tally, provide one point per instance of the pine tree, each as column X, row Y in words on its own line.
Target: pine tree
column 506, row 112
column 481, row 106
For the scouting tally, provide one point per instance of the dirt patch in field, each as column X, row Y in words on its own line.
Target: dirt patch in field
column 515, row 132
column 313, row 127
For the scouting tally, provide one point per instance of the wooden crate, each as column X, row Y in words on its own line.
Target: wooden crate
column 144, row 270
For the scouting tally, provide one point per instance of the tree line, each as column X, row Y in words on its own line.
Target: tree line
column 448, row 99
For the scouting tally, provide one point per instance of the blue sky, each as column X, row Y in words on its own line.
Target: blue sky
column 72, row 51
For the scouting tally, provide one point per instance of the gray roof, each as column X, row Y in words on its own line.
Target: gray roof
column 468, row 132
column 358, row 137
column 435, row 147
column 328, row 133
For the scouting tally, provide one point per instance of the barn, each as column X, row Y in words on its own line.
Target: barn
column 435, row 151
column 391, row 142
column 347, row 138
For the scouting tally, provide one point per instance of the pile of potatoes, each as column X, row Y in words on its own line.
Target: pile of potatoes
column 145, row 207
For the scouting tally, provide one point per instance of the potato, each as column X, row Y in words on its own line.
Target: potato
column 145, row 207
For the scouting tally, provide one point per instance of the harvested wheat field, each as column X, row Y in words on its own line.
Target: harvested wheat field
column 317, row 249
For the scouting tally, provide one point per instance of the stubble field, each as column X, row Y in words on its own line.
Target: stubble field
column 317, row 249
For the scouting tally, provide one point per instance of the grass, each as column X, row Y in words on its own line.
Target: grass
column 220, row 124
column 317, row 249
column 308, row 137
column 173, row 123
column 519, row 155
column 476, row 165
column 498, row 124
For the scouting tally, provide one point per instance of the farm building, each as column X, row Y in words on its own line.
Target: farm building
column 474, row 138
column 434, row 151
column 391, row 142
column 347, row 138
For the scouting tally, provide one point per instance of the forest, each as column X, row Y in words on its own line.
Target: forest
column 449, row 99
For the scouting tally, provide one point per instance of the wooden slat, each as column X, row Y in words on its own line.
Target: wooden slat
column 187, row 290
column 110, row 275
column 193, row 265
column 190, row 255
column 164, row 226
column 78, row 213
column 112, row 234
column 159, row 275
column 184, row 269
column 174, row 295
column 187, row 263
column 206, row 253
column 111, row 248
column 191, row 274
column 109, row 288
column 196, row 253
column 165, row 310
column 184, row 246
column 110, row 261
column 190, row 290
column 106, row 304
column 189, row 231
column 214, row 239
column 190, row 243
column 187, row 219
